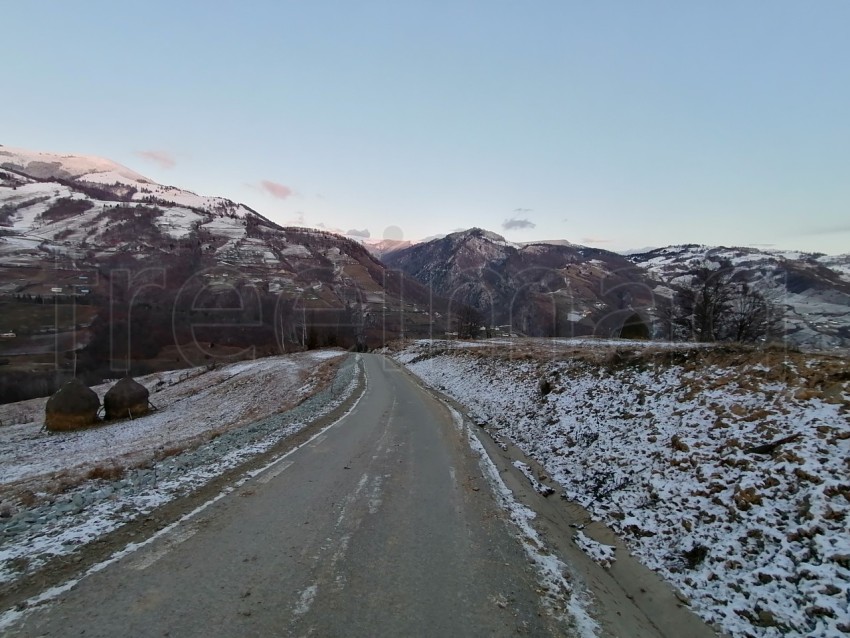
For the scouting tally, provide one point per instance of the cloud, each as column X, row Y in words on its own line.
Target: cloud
column 275, row 189
column 359, row 233
column 522, row 211
column 163, row 158
column 595, row 240
column 515, row 223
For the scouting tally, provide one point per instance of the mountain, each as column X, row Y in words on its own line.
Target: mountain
column 383, row 247
column 542, row 289
column 562, row 289
column 139, row 271
column 812, row 290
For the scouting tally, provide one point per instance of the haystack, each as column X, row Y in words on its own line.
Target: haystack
column 72, row 407
column 126, row 398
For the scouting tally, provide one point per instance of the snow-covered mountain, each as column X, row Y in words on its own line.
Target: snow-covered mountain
column 69, row 224
column 812, row 289
column 382, row 247
column 70, row 206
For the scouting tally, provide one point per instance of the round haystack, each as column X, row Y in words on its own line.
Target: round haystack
column 72, row 407
column 126, row 398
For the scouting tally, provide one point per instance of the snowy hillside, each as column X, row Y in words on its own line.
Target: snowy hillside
column 85, row 169
column 812, row 290
column 71, row 206
column 231, row 395
column 41, row 165
column 68, row 222
column 666, row 445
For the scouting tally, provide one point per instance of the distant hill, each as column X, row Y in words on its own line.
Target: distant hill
column 541, row 289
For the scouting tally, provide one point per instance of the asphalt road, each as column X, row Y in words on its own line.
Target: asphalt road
column 381, row 526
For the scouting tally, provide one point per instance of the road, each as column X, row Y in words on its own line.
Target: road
column 381, row 526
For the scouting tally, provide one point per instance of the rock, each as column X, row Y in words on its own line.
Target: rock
column 766, row 618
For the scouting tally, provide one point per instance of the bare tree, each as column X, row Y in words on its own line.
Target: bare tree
column 469, row 322
column 753, row 314
column 718, row 304
column 704, row 302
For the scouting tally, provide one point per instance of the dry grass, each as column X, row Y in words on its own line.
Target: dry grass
column 27, row 498
column 818, row 375
column 111, row 472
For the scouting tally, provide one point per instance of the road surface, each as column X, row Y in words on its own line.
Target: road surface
column 381, row 526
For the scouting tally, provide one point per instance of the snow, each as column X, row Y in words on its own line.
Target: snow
column 94, row 525
column 41, row 196
column 296, row 250
column 839, row 264
column 805, row 314
column 545, row 490
column 658, row 451
column 74, row 166
column 225, row 227
column 108, row 177
column 601, row 553
column 178, row 222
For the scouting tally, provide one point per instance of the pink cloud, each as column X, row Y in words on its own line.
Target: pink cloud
column 275, row 189
column 163, row 158
column 595, row 240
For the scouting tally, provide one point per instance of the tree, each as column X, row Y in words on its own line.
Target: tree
column 753, row 314
column 468, row 322
column 703, row 303
column 718, row 304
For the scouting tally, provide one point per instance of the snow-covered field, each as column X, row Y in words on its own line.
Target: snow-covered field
column 192, row 404
column 60, row 491
column 656, row 443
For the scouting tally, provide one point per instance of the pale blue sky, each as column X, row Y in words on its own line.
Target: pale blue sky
column 615, row 124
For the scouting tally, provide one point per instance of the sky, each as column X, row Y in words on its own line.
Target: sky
column 615, row 124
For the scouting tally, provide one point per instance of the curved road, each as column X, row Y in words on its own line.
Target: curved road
column 381, row 526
